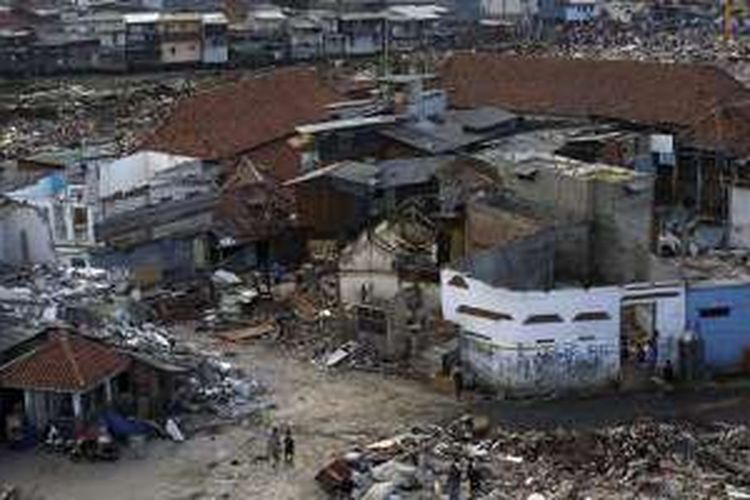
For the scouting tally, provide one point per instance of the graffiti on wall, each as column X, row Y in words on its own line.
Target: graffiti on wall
column 545, row 368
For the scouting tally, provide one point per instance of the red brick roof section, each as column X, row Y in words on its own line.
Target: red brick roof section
column 237, row 118
column 676, row 95
column 64, row 363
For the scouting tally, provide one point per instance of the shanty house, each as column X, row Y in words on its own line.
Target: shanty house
column 248, row 220
column 65, row 379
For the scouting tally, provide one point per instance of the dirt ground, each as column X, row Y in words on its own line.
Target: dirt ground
column 328, row 411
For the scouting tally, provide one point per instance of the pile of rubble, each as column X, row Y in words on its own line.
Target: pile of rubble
column 101, row 307
column 39, row 114
column 640, row 460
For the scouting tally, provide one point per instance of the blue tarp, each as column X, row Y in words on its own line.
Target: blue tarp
column 123, row 427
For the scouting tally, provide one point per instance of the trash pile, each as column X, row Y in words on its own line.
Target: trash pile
column 646, row 459
column 100, row 307
column 235, row 301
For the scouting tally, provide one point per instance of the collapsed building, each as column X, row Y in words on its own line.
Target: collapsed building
column 569, row 279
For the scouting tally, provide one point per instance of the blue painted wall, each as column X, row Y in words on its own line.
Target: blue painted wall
column 721, row 316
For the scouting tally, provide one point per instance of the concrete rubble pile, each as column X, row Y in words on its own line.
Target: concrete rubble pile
column 234, row 301
column 99, row 306
column 639, row 460
column 46, row 114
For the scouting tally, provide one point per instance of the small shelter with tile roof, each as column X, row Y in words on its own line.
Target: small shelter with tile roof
column 66, row 378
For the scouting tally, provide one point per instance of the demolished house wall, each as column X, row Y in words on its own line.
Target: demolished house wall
column 535, row 342
column 25, row 236
column 153, row 261
column 550, row 256
column 622, row 233
column 367, row 266
column 618, row 203
column 525, row 264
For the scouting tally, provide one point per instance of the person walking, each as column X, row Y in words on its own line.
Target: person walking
column 473, row 475
column 273, row 448
column 458, row 383
column 288, row 447
column 454, row 482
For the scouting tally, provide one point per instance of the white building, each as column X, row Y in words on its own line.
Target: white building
column 144, row 178
column 540, row 342
column 215, row 38
column 509, row 8
column 25, row 238
column 69, row 212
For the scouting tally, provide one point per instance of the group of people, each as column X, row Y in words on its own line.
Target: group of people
column 280, row 446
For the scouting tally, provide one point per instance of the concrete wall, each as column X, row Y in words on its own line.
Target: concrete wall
column 524, row 264
column 618, row 204
column 551, row 256
column 720, row 314
column 516, row 355
column 181, row 52
column 739, row 215
column 25, row 236
column 622, row 230
column 509, row 344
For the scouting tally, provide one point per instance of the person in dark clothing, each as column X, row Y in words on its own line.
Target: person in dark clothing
column 454, row 482
column 274, row 447
column 288, row 447
column 458, row 383
column 473, row 475
column 668, row 371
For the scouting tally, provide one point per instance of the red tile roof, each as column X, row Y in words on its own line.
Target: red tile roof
column 64, row 363
column 237, row 118
column 675, row 95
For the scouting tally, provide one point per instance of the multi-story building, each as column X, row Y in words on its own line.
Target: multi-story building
column 109, row 29
column 180, row 38
column 215, row 38
column 15, row 51
column 142, row 46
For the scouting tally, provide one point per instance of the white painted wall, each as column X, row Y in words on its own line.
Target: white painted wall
column 536, row 358
column 740, row 217
column 553, row 357
column 16, row 220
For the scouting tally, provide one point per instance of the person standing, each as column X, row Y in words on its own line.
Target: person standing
column 473, row 476
column 454, row 481
column 458, row 383
column 274, row 447
column 288, row 446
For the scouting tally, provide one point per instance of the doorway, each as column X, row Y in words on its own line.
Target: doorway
column 638, row 341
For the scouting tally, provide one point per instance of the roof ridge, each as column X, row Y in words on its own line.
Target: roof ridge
column 68, row 351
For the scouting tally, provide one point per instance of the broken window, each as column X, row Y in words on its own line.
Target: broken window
column 715, row 312
column 372, row 320
column 80, row 223
column 543, row 318
column 592, row 316
column 483, row 313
